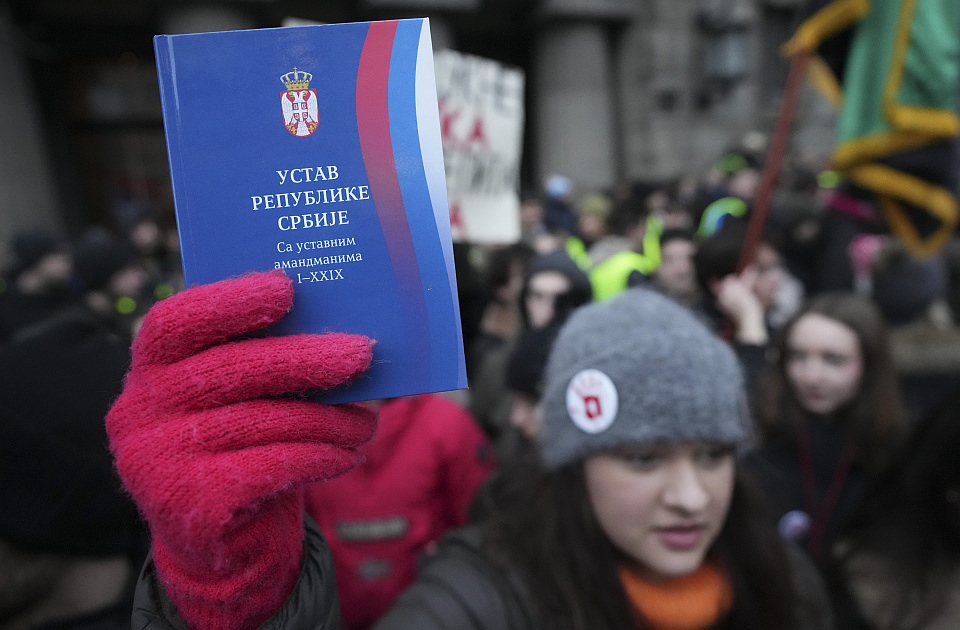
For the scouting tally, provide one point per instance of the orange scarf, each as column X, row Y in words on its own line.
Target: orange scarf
column 692, row 602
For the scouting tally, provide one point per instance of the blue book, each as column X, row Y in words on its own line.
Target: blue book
column 316, row 149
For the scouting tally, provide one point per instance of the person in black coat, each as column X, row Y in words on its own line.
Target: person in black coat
column 831, row 417
column 71, row 543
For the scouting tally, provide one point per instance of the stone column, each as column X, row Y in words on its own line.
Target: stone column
column 572, row 89
column 28, row 198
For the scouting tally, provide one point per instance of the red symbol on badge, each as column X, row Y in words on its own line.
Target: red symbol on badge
column 591, row 405
column 592, row 401
column 301, row 115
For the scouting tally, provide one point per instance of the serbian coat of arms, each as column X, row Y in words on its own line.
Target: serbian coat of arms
column 300, row 113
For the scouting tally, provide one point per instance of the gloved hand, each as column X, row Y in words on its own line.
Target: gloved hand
column 215, row 454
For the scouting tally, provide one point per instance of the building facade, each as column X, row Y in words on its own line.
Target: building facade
column 615, row 89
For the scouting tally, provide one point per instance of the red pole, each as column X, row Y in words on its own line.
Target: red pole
column 771, row 168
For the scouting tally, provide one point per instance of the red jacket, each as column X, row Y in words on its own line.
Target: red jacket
column 422, row 469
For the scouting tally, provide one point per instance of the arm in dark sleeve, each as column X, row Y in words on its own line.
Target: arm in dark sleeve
column 753, row 362
column 313, row 604
column 458, row 589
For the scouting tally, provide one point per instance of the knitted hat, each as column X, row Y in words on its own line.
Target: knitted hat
column 595, row 204
column 639, row 369
column 904, row 287
column 557, row 186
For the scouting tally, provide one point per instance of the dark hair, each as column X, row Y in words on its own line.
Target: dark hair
column 677, row 233
column 580, row 292
column 875, row 418
column 718, row 256
column 533, row 513
column 627, row 214
column 910, row 518
column 501, row 262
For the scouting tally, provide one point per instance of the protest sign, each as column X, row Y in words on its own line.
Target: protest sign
column 481, row 123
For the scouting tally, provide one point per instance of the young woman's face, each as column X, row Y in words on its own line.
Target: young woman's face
column 662, row 506
column 542, row 292
column 824, row 363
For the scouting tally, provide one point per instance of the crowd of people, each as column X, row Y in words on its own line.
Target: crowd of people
column 658, row 434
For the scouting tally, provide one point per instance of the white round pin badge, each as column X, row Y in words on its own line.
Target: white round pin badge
column 592, row 401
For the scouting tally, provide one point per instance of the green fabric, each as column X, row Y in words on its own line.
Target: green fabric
column 931, row 69
column 716, row 211
column 577, row 251
column 933, row 60
column 651, row 240
column 610, row 277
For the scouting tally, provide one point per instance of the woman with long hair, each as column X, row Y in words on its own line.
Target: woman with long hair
column 831, row 416
column 631, row 513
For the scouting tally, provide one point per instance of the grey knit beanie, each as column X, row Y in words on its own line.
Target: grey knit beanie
column 639, row 369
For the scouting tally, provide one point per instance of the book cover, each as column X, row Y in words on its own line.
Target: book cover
column 316, row 149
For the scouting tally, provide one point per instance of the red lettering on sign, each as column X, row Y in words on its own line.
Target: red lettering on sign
column 447, row 119
column 477, row 135
column 456, row 220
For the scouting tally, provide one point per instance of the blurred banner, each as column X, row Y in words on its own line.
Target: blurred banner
column 892, row 68
column 481, row 126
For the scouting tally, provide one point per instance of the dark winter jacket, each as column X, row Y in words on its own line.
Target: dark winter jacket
column 776, row 466
column 313, row 605
column 460, row 589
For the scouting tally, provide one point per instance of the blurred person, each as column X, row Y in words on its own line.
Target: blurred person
column 418, row 477
column 533, row 231
column 676, row 276
column 151, row 244
column 912, row 296
column 737, row 174
column 681, row 196
column 38, row 283
column 71, row 544
column 831, row 416
column 524, row 384
column 758, row 299
column 559, row 217
column 849, row 212
column 553, row 287
column 473, row 298
column 503, row 276
column 115, row 286
column 898, row 558
column 630, row 513
column 744, row 183
column 593, row 214
column 629, row 253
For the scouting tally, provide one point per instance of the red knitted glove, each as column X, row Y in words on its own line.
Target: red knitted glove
column 216, row 458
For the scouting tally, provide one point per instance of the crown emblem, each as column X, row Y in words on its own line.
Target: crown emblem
column 296, row 80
